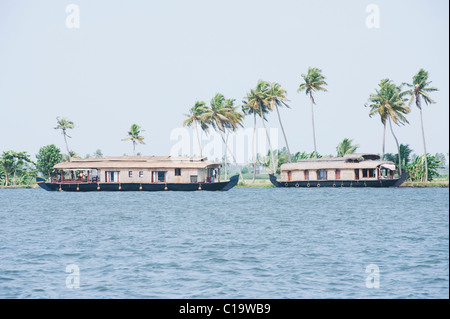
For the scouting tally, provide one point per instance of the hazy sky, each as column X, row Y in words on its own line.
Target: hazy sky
column 147, row 62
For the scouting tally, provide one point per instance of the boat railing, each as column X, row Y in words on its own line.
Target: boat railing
column 91, row 179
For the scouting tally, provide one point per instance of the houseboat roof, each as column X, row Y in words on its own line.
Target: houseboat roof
column 136, row 162
column 349, row 161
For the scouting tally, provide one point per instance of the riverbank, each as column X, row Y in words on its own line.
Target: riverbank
column 265, row 183
column 20, row 186
column 437, row 183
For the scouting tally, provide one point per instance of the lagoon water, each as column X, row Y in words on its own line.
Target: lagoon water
column 244, row 243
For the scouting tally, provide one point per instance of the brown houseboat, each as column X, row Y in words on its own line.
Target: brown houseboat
column 352, row 170
column 137, row 173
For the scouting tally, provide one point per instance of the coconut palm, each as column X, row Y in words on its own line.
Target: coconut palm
column 314, row 82
column 134, row 135
column 257, row 100
column 64, row 125
column 389, row 103
column 420, row 87
column 255, row 112
column 194, row 118
column 223, row 116
column 405, row 155
column 276, row 96
column 251, row 106
column 346, row 147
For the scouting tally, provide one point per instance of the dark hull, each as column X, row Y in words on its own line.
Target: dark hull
column 132, row 187
column 341, row 183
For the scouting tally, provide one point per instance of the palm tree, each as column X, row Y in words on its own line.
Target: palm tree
column 134, row 135
column 276, row 96
column 346, row 147
column 314, row 81
column 257, row 100
column 64, row 125
column 194, row 118
column 389, row 103
column 419, row 90
column 254, row 110
column 223, row 116
column 405, row 155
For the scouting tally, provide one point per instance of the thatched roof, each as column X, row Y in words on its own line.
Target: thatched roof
column 349, row 161
column 137, row 162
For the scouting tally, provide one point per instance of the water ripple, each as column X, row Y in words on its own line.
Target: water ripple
column 245, row 243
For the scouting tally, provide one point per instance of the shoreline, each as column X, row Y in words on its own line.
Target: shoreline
column 267, row 184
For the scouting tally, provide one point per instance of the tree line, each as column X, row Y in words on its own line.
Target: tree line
column 390, row 102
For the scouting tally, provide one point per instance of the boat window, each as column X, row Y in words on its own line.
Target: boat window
column 130, row 173
column 177, row 171
column 194, row 178
column 322, row 174
column 338, row 174
column 158, row 177
column 306, row 175
column 141, row 173
column 368, row 172
column 111, row 176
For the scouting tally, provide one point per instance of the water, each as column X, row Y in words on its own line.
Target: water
column 245, row 243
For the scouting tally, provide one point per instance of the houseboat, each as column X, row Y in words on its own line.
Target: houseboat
column 137, row 173
column 352, row 170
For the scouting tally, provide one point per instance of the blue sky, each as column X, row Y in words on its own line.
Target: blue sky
column 147, row 62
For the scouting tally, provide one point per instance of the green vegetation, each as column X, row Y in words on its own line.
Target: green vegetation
column 194, row 118
column 256, row 103
column 48, row 157
column 390, row 104
column 223, row 116
column 419, row 90
column 422, row 170
column 346, row 147
column 15, row 168
column 134, row 135
column 314, row 82
column 64, row 125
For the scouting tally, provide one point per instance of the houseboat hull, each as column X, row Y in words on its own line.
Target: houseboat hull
column 341, row 183
column 135, row 187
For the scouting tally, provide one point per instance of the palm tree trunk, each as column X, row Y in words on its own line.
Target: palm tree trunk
column 313, row 127
column 234, row 158
column 384, row 140
column 268, row 138
column 424, row 144
column 226, row 156
column 253, row 147
column 398, row 148
column 284, row 134
column 6, row 178
column 134, row 148
column 67, row 145
column 198, row 137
